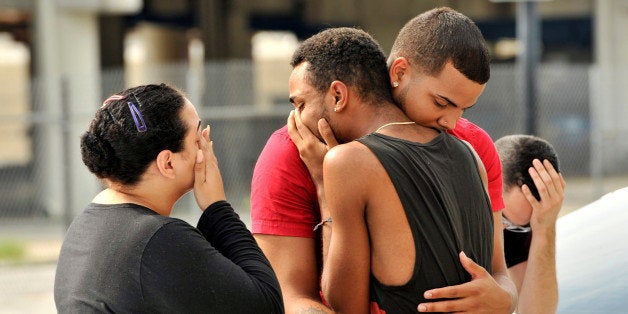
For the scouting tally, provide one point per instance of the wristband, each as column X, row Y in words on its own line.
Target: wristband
column 320, row 224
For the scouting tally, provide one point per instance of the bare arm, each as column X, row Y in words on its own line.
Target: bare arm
column 284, row 194
column 539, row 287
column 294, row 262
column 312, row 152
column 294, row 259
column 346, row 269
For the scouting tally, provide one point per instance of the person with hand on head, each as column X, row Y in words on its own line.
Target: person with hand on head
column 124, row 254
column 533, row 193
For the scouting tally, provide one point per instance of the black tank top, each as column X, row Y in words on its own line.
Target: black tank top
column 447, row 208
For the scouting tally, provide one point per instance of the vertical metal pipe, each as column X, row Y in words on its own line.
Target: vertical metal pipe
column 68, row 212
column 529, row 35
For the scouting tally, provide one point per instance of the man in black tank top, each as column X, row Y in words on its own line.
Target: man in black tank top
column 407, row 203
column 447, row 215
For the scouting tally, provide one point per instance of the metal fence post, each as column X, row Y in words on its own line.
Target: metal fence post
column 528, row 32
column 66, row 155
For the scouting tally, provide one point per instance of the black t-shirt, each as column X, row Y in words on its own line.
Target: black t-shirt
column 516, row 246
column 126, row 258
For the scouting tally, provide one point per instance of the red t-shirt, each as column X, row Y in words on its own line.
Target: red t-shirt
column 283, row 196
column 484, row 146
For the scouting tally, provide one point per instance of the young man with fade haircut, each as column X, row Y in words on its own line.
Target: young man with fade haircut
column 533, row 194
column 285, row 207
column 439, row 65
column 406, row 202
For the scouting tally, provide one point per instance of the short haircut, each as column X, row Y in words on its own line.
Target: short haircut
column 435, row 37
column 516, row 153
column 114, row 148
column 348, row 55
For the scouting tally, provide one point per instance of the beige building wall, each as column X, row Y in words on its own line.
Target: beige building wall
column 148, row 49
column 15, row 141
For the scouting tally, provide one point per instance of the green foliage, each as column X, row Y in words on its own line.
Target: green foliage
column 11, row 250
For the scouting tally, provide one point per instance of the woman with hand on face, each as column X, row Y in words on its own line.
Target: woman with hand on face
column 124, row 254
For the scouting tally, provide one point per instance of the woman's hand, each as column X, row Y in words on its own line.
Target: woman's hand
column 208, row 186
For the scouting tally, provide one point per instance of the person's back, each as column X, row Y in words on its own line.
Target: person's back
column 420, row 215
column 114, row 243
column 124, row 254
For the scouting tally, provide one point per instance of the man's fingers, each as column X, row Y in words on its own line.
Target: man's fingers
column 468, row 264
column 557, row 178
column 471, row 267
column 529, row 196
column 446, row 306
column 541, row 179
column 457, row 291
column 293, row 131
column 326, row 133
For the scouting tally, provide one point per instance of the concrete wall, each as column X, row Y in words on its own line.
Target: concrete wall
column 609, row 104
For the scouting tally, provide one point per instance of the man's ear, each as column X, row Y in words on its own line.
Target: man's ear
column 340, row 92
column 397, row 70
column 164, row 163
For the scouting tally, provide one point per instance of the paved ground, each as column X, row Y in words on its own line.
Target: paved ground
column 28, row 287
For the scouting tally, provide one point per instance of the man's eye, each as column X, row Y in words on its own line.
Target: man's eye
column 440, row 105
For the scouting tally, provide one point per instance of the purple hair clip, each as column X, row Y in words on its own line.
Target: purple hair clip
column 137, row 115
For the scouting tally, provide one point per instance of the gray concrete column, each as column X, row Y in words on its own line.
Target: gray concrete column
column 68, row 66
column 79, row 54
column 609, row 105
column 48, row 136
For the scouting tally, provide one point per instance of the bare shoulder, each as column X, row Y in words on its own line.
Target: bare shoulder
column 353, row 153
column 353, row 163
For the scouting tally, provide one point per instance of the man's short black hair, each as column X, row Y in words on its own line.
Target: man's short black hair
column 348, row 55
column 516, row 153
column 440, row 35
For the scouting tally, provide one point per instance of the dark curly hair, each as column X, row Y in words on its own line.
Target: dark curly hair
column 516, row 153
column 348, row 55
column 113, row 148
column 435, row 37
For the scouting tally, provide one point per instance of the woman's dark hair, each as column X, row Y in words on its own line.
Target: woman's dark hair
column 516, row 153
column 129, row 131
column 349, row 55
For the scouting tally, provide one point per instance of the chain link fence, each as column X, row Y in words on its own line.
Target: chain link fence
column 226, row 98
column 562, row 110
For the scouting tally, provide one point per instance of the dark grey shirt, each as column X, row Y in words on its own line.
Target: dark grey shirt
column 126, row 258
